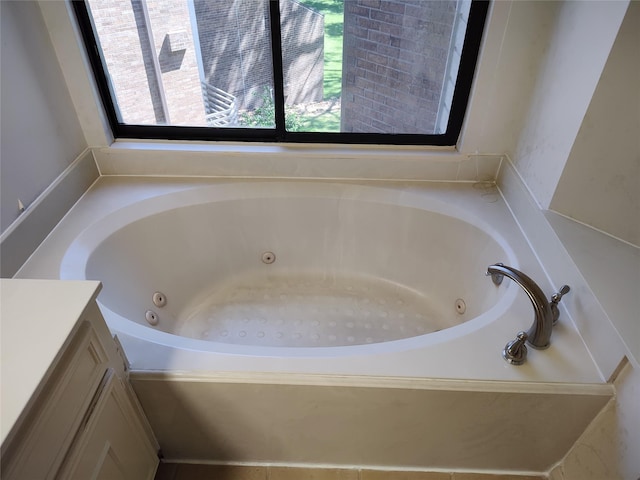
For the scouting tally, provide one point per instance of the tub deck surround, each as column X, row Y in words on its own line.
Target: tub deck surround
column 567, row 251
column 470, row 350
column 24, row 235
column 605, row 261
column 296, row 161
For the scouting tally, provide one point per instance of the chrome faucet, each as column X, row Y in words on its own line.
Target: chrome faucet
column 545, row 313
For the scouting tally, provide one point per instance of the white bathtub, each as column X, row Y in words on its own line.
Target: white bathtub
column 367, row 280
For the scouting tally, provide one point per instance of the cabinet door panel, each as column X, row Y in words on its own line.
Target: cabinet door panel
column 114, row 445
column 110, row 466
column 50, row 431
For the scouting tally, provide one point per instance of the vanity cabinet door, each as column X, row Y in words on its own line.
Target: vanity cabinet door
column 114, row 444
column 40, row 447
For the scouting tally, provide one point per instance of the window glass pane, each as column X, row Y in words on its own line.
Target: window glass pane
column 187, row 62
column 312, row 39
column 371, row 66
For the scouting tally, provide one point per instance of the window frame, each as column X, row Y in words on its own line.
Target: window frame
column 459, row 103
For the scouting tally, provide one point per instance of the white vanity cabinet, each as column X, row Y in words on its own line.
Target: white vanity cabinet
column 67, row 408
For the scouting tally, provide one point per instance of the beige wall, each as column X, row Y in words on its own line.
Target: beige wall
column 506, row 77
column 580, row 44
column 41, row 134
column 600, row 184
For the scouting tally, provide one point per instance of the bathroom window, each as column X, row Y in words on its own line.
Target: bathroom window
column 325, row 71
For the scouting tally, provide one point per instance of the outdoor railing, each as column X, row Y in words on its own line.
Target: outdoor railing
column 221, row 108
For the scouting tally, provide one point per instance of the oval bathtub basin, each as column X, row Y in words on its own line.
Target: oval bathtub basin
column 286, row 266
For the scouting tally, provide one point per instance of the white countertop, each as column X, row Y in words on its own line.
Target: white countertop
column 36, row 320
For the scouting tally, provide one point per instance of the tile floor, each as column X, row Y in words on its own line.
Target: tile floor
column 185, row 471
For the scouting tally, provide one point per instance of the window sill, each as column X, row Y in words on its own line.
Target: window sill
column 361, row 162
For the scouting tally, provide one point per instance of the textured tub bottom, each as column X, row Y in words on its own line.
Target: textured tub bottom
column 308, row 311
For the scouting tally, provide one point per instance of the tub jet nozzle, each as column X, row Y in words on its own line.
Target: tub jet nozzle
column 151, row 317
column 268, row 258
column 159, row 299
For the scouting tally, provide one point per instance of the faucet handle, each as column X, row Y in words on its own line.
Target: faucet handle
column 495, row 277
column 563, row 291
column 515, row 352
column 555, row 299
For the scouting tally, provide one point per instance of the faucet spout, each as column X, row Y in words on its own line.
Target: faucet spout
column 539, row 335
